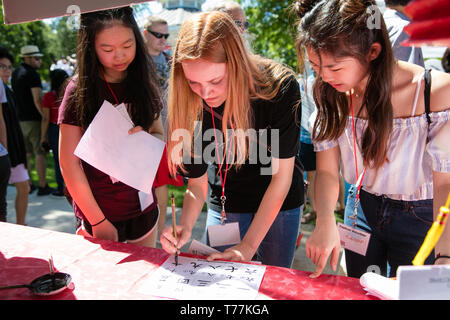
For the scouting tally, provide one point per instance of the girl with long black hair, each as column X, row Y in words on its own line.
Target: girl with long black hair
column 113, row 65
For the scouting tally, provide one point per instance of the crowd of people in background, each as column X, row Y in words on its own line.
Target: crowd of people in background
column 30, row 117
column 198, row 83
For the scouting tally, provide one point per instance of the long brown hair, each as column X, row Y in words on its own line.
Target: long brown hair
column 213, row 36
column 342, row 28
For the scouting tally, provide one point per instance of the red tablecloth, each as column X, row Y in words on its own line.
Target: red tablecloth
column 103, row 269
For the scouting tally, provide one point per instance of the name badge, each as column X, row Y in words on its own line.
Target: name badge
column 224, row 234
column 353, row 239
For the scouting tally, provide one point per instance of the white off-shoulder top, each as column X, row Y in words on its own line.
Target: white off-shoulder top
column 408, row 175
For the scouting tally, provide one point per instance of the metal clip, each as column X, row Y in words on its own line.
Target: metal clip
column 224, row 217
column 355, row 210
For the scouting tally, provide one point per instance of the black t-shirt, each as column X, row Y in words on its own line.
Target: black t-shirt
column 23, row 79
column 16, row 145
column 245, row 187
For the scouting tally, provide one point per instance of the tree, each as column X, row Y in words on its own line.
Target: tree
column 13, row 37
column 65, row 38
column 273, row 28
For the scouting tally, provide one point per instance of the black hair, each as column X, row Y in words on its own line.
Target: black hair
column 140, row 81
column 4, row 53
column 57, row 78
column 396, row 2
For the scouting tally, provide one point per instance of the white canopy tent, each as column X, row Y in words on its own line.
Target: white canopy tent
column 20, row 11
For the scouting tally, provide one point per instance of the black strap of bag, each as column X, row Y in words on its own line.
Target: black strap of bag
column 427, row 95
column 427, row 91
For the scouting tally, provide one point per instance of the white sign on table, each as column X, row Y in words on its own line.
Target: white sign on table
column 200, row 279
column 429, row 282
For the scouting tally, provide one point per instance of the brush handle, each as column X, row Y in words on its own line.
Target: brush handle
column 174, row 218
column 15, row 286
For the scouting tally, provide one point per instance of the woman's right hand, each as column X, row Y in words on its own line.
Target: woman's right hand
column 168, row 242
column 106, row 231
column 323, row 241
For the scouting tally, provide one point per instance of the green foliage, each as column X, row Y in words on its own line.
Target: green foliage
column 55, row 40
column 273, row 28
column 65, row 39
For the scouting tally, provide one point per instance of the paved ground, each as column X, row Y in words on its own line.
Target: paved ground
column 56, row 214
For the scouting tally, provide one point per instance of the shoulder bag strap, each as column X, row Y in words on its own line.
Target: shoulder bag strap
column 427, row 91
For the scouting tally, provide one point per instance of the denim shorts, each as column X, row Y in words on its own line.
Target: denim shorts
column 277, row 247
column 398, row 229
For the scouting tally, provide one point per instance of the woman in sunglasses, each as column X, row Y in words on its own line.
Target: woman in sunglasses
column 219, row 86
column 113, row 65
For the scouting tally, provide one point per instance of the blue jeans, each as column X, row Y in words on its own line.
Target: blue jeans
column 397, row 230
column 277, row 247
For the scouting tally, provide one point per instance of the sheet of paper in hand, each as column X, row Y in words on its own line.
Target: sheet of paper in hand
column 130, row 158
column 200, row 279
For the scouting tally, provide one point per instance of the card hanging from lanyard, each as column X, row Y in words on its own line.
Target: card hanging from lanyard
column 223, row 198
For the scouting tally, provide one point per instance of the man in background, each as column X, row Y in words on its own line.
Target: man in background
column 27, row 87
column 234, row 9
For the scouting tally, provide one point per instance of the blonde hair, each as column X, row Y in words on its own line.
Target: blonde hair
column 213, row 36
column 227, row 6
column 153, row 20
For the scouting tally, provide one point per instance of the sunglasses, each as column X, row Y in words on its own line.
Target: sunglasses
column 241, row 24
column 159, row 35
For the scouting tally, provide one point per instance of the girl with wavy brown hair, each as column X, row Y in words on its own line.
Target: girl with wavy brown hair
column 372, row 123
column 219, row 89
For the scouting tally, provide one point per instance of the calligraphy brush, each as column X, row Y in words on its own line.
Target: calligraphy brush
column 52, row 272
column 174, row 224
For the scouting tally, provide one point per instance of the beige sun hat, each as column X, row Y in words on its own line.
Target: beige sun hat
column 30, row 51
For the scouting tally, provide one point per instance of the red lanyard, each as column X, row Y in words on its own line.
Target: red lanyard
column 222, row 180
column 110, row 89
column 360, row 179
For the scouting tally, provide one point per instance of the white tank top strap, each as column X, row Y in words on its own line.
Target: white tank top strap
column 416, row 96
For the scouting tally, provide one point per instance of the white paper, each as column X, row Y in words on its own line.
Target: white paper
column 379, row 286
column 203, row 280
column 131, row 158
column 430, row 282
column 145, row 199
column 224, row 234
column 200, row 249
